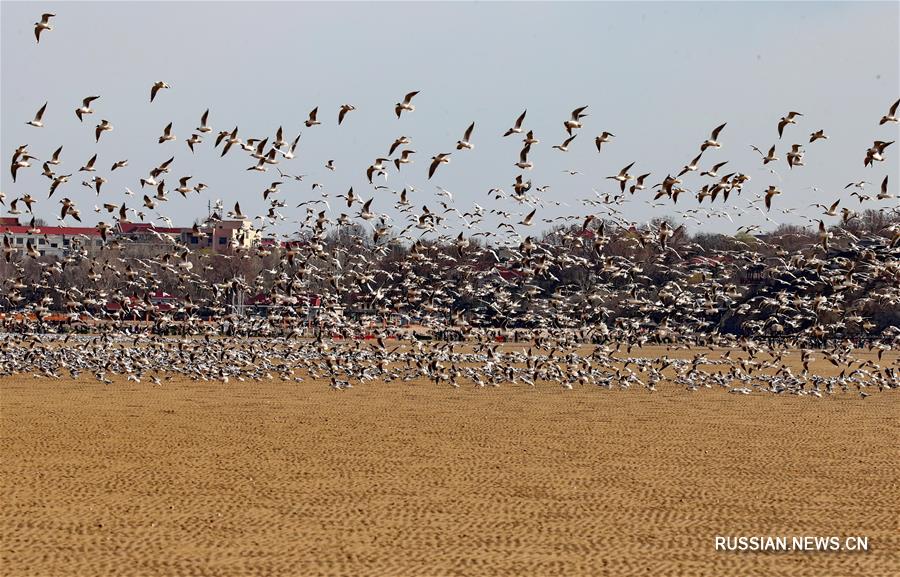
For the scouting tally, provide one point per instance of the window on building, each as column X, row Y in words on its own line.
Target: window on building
column 42, row 241
column 222, row 240
column 20, row 240
column 65, row 242
column 194, row 240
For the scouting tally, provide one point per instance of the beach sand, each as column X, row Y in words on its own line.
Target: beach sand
column 412, row 479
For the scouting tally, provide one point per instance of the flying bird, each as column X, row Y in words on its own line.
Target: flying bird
column 891, row 116
column 517, row 127
column 85, row 107
column 884, row 195
column 817, row 135
column 44, row 24
column 602, row 139
column 564, row 147
column 406, row 104
column 623, row 177
column 345, row 108
column 157, row 86
column 441, row 158
column 400, row 141
column 37, row 122
column 104, row 126
column 89, row 167
column 311, row 121
column 785, row 120
column 527, row 220
column 575, row 120
column 770, row 192
column 712, row 141
column 204, row 126
column 167, row 134
column 465, row 142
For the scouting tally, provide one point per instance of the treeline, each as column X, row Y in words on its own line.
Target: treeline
column 656, row 280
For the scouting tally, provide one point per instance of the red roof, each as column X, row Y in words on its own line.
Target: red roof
column 509, row 274
column 9, row 221
column 162, row 295
column 260, row 299
column 130, row 227
column 51, row 230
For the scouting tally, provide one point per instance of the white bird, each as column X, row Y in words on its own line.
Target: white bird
column 37, row 122
column 891, row 116
column 167, row 134
column 602, row 139
column 85, row 107
column 565, row 145
column 465, row 143
column 290, row 153
column 623, row 177
column 311, row 121
column 711, row 142
column 785, row 120
column 524, row 163
column 527, row 220
column 575, row 121
column 55, row 158
column 204, row 127
column 884, row 195
column 406, row 104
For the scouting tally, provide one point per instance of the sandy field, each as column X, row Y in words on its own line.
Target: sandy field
column 411, row 479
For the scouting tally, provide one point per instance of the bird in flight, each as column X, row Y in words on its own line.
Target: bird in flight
column 602, row 139
column 441, row 158
column 345, row 108
column 157, row 86
column 517, row 127
column 85, row 107
column 785, row 120
column 37, row 122
column 44, row 24
column 466, row 143
column 406, row 104
column 891, row 116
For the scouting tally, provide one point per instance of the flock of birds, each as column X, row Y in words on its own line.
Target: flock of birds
column 584, row 293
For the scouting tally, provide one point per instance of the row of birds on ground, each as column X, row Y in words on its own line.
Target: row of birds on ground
column 560, row 358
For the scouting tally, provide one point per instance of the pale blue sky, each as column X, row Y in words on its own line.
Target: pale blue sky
column 658, row 75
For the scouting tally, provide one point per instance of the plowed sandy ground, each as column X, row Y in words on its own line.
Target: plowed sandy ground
column 274, row 478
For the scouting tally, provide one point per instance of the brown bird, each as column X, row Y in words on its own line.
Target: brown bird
column 101, row 128
column 44, row 24
column 311, row 121
column 817, row 135
column 345, row 108
column 157, row 86
column 603, row 138
column 785, row 120
column 441, row 158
